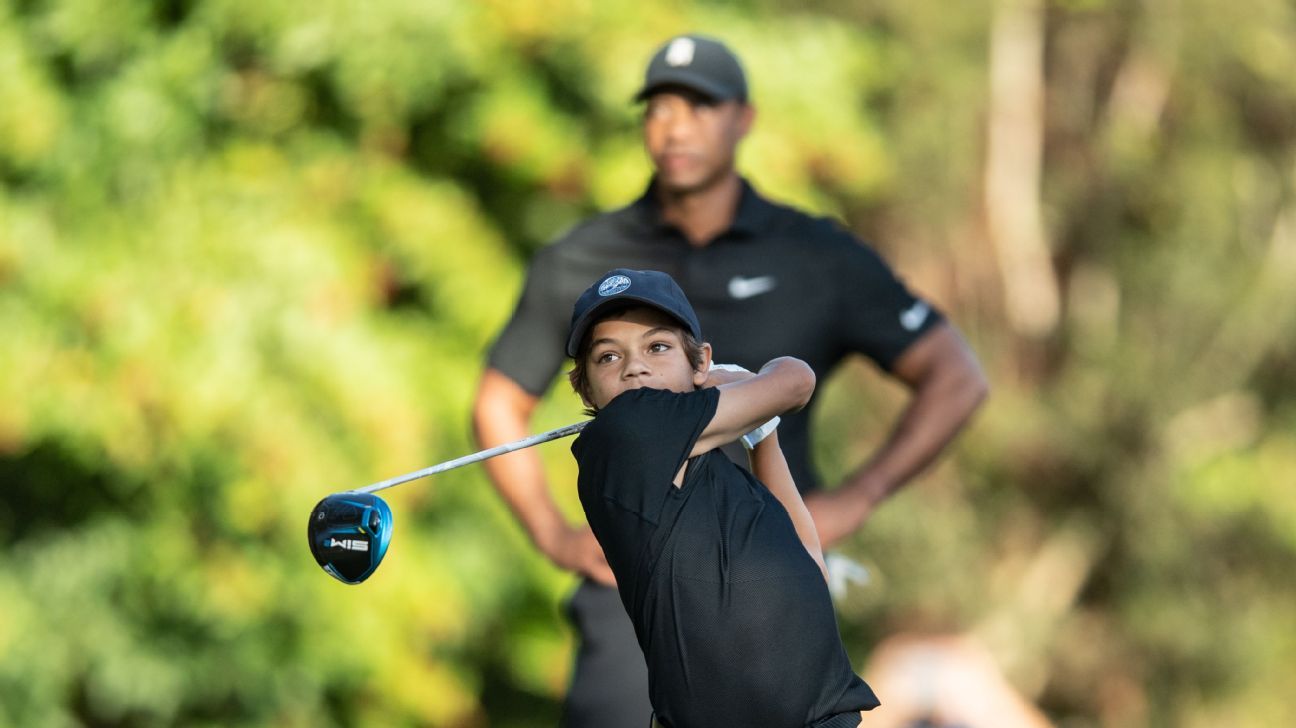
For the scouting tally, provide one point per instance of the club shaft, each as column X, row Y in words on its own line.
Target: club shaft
column 477, row 457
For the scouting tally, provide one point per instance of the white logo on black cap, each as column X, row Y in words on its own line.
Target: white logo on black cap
column 613, row 285
column 680, row 52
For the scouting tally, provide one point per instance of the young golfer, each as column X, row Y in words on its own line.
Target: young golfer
column 720, row 571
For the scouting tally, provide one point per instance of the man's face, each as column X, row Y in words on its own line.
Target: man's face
column 639, row 347
column 692, row 139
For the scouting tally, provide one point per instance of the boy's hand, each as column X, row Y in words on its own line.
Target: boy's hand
column 784, row 384
column 720, row 374
column 758, row 435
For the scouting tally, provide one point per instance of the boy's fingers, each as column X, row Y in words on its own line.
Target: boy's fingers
column 725, row 374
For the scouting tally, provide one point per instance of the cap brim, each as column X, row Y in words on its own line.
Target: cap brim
column 625, row 300
column 686, row 80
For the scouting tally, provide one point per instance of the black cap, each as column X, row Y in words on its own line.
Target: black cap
column 622, row 286
column 699, row 63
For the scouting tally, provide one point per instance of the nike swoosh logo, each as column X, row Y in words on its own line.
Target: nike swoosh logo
column 914, row 316
column 740, row 287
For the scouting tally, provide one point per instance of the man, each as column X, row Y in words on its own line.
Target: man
column 766, row 281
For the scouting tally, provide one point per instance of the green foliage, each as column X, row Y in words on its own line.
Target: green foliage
column 253, row 253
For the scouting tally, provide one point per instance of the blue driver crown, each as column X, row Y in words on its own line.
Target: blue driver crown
column 349, row 533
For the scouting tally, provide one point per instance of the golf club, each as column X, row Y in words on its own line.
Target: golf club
column 349, row 531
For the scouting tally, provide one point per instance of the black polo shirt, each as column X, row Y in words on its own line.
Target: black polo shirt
column 733, row 615
column 778, row 282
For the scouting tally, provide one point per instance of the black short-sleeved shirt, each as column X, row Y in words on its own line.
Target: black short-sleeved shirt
column 732, row 613
column 779, row 282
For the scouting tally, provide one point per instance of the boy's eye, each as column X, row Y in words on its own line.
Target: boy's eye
column 658, row 347
column 605, row 357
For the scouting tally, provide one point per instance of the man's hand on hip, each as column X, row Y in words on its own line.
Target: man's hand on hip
column 838, row 513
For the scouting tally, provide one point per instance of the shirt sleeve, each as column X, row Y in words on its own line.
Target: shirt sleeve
column 531, row 348
column 638, row 442
column 877, row 315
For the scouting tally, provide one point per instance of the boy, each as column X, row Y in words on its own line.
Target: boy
column 721, row 575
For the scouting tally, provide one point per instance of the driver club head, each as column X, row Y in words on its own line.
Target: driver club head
column 349, row 533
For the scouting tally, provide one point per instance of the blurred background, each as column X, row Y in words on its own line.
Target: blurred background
column 252, row 253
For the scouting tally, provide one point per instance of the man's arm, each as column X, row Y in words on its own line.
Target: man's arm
column 947, row 385
column 770, row 467
column 502, row 413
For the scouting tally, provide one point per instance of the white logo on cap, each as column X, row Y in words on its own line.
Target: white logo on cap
column 680, row 52
column 613, row 285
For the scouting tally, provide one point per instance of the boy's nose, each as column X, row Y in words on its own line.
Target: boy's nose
column 635, row 366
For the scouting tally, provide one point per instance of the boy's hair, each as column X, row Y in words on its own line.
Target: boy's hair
column 579, row 376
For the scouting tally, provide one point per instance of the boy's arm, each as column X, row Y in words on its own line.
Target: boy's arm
column 770, row 467
column 746, row 401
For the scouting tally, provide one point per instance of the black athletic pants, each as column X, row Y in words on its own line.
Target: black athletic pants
column 609, row 687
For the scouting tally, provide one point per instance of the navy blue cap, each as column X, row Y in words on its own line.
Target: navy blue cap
column 699, row 63
column 622, row 286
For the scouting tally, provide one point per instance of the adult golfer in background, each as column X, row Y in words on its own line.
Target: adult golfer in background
column 766, row 281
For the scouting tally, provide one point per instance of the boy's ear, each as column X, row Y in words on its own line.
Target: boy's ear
column 701, row 373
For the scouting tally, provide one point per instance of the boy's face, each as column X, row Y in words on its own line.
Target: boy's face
column 639, row 347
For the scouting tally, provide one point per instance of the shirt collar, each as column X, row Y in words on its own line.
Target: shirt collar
column 750, row 218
